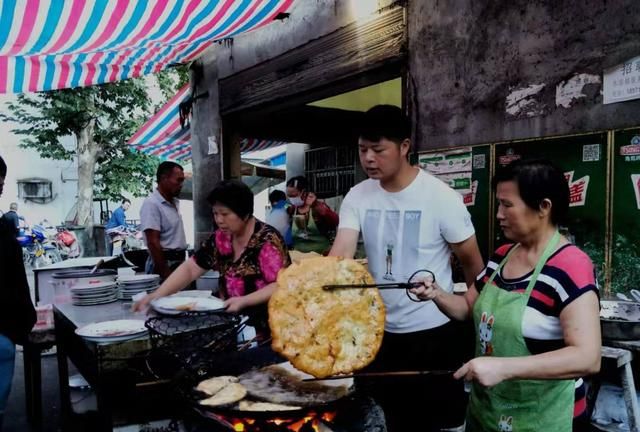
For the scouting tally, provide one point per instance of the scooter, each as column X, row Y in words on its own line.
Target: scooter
column 37, row 250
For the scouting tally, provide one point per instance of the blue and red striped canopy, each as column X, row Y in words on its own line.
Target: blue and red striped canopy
column 163, row 136
column 54, row 44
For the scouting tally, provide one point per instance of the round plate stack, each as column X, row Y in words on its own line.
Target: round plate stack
column 89, row 294
column 113, row 331
column 131, row 285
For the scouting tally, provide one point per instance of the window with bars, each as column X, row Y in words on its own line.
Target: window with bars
column 331, row 171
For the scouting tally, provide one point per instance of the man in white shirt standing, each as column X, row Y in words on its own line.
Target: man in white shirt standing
column 161, row 222
column 409, row 220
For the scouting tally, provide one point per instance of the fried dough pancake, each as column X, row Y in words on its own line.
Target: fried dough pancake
column 213, row 385
column 324, row 332
column 278, row 385
column 229, row 394
column 264, row 406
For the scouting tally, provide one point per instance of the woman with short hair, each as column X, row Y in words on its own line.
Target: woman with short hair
column 247, row 252
column 535, row 309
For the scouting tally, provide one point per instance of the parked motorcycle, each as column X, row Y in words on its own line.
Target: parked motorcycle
column 37, row 250
column 125, row 238
column 65, row 241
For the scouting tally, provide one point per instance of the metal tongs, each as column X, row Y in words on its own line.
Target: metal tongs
column 383, row 374
column 411, row 283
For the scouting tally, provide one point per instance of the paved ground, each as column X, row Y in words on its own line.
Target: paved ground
column 16, row 415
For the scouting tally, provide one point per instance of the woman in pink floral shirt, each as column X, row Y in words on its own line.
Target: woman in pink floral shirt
column 247, row 252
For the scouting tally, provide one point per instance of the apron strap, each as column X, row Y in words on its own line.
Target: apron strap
column 549, row 249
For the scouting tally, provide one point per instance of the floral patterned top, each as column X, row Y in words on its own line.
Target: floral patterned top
column 257, row 267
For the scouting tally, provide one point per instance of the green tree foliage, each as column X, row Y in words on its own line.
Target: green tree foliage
column 101, row 118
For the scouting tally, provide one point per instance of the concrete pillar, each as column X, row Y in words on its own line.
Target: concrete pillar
column 206, row 127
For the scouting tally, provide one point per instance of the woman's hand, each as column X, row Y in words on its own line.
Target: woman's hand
column 142, row 304
column 487, row 371
column 429, row 289
column 235, row 304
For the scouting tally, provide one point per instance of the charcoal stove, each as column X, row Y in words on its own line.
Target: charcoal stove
column 354, row 413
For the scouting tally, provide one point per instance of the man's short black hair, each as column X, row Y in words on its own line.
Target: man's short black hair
column 298, row 182
column 385, row 121
column 166, row 168
column 3, row 168
column 538, row 179
column 277, row 196
column 125, row 200
column 235, row 195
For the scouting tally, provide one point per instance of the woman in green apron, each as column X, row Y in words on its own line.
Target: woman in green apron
column 313, row 221
column 536, row 313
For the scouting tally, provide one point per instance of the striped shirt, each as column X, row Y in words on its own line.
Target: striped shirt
column 567, row 274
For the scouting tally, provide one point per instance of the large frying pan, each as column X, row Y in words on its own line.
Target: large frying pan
column 237, row 364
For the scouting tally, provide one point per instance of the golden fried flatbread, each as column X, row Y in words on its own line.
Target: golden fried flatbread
column 326, row 332
column 213, row 385
column 229, row 394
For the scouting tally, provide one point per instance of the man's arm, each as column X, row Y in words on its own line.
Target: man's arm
column 468, row 253
column 155, row 250
column 120, row 217
column 346, row 243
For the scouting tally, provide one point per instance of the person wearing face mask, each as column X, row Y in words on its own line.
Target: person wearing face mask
column 247, row 252
column 314, row 223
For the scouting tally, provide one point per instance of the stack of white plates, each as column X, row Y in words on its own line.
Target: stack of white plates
column 89, row 294
column 113, row 331
column 130, row 285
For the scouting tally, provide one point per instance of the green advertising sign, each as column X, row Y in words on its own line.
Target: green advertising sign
column 584, row 162
column 466, row 170
column 625, row 254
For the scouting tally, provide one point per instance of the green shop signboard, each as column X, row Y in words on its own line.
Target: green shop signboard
column 584, row 162
column 466, row 170
column 625, row 253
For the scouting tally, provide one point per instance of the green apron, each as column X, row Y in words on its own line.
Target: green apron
column 515, row 405
column 311, row 239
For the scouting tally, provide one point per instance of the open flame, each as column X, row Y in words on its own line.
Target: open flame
column 311, row 422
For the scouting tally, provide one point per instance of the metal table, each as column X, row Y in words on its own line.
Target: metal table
column 115, row 371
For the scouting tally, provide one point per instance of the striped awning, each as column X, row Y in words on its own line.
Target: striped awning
column 252, row 144
column 54, row 44
column 162, row 135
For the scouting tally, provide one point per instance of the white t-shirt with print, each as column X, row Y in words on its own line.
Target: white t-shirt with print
column 404, row 232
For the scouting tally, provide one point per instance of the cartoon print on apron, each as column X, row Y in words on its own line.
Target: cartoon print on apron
column 485, row 334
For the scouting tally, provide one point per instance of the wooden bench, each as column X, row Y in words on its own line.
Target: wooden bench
column 622, row 358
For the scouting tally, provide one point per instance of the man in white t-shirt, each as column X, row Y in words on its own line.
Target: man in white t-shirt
column 409, row 221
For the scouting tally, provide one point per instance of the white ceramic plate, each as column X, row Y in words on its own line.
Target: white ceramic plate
column 136, row 279
column 178, row 304
column 115, row 329
column 97, row 286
